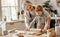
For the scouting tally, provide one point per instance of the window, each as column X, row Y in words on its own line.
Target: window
column 9, row 9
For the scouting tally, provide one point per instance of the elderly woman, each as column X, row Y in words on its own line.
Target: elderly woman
column 29, row 15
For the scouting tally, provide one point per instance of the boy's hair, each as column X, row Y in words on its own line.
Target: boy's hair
column 39, row 8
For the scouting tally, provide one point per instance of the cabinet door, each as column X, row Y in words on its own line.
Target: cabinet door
column 16, row 25
column 0, row 31
column 20, row 25
column 10, row 26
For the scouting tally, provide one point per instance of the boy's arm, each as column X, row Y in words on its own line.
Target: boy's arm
column 47, row 26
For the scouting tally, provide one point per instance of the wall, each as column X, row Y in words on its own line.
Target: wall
column 37, row 2
column 0, row 11
column 58, row 0
column 59, row 9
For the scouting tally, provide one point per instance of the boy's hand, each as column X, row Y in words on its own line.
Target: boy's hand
column 47, row 27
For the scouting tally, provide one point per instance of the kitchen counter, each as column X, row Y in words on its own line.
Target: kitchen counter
column 55, row 17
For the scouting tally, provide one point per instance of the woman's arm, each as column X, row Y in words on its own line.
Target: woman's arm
column 27, row 20
column 26, row 15
column 27, row 23
column 33, row 22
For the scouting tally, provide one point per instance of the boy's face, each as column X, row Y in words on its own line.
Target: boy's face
column 39, row 13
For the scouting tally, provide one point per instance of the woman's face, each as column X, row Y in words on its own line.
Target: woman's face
column 33, row 9
column 39, row 13
column 29, row 7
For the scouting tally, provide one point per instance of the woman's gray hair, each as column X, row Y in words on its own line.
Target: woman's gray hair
column 26, row 3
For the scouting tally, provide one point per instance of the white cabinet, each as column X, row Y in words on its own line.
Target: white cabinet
column 0, row 11
column 57, row 30
column 15, row 25
column 3, row 28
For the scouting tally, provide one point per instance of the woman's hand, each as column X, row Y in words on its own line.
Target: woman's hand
column 27, row 29
column 42, row 31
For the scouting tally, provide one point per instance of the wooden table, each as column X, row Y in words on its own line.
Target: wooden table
column 26, row 35
column 35, row 35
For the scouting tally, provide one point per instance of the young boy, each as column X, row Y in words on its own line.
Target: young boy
column 43, row 21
